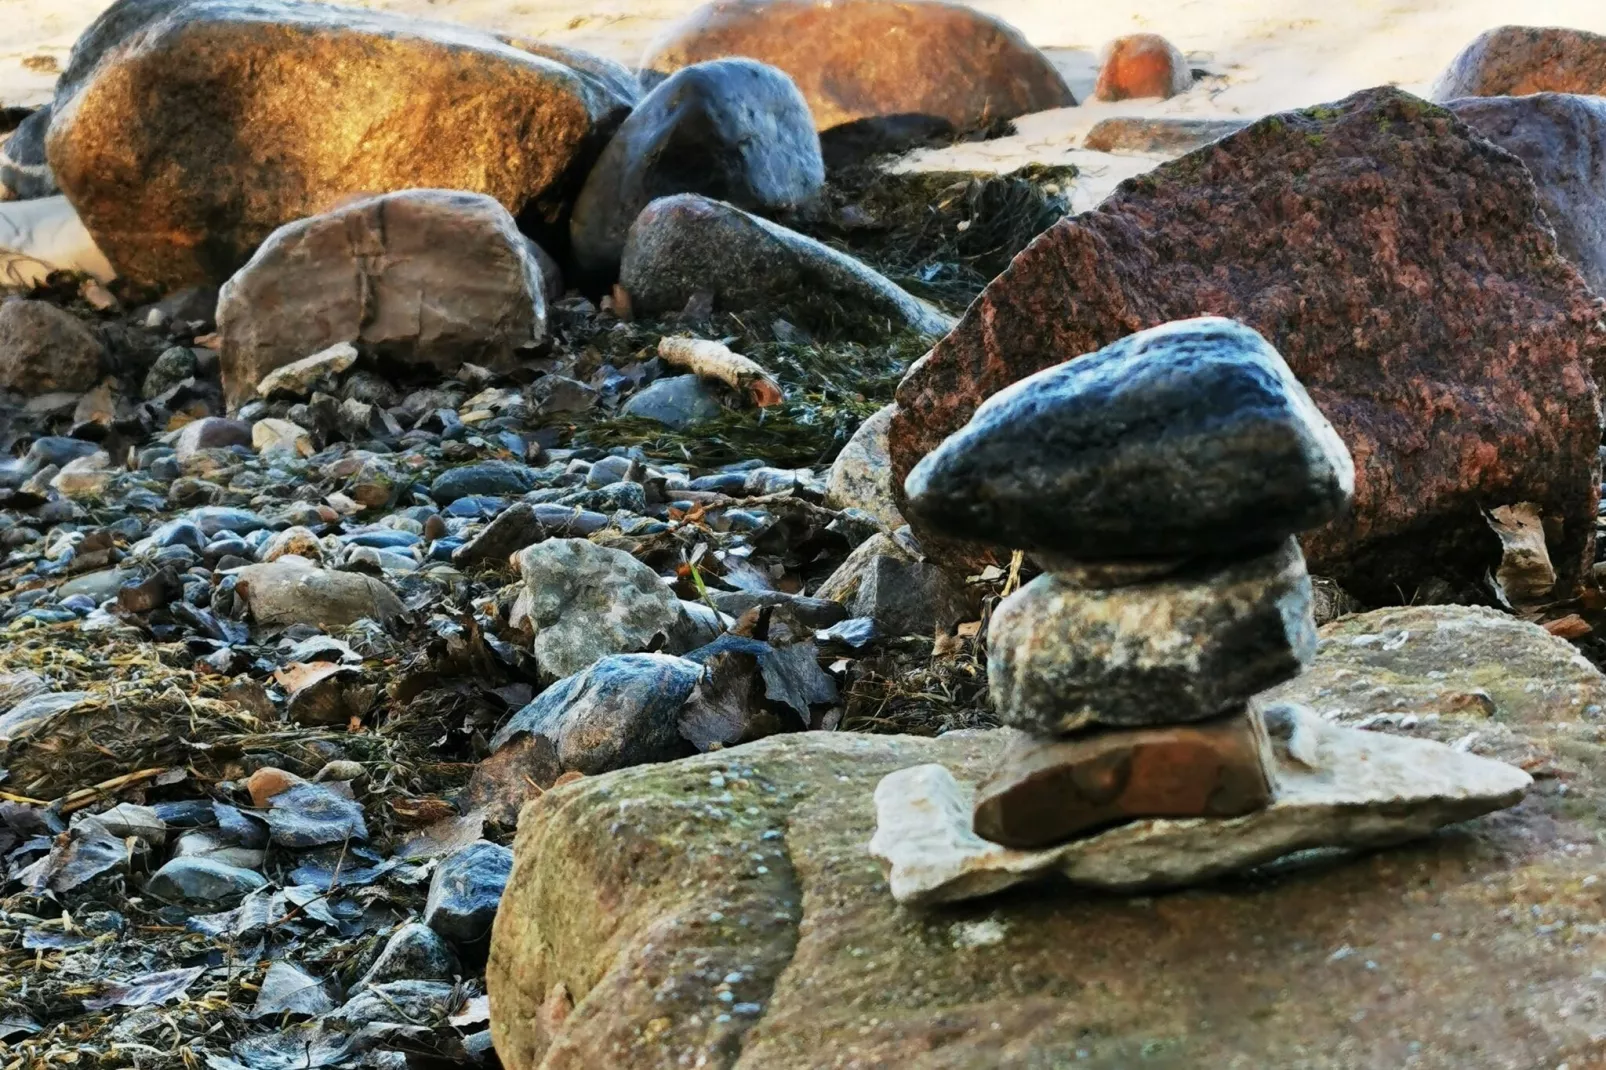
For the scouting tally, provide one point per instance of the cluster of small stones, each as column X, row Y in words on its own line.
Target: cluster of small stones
column 1164, row 480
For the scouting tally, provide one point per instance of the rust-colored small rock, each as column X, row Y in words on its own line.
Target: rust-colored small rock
column 1142, row 65
column 1047, row 790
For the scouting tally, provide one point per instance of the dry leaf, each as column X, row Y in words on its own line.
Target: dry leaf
column 1525, row 576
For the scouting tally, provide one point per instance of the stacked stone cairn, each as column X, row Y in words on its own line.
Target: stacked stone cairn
column 1160, row 483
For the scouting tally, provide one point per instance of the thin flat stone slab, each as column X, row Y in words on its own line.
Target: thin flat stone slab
column 1337, row 787
column 1046, row 791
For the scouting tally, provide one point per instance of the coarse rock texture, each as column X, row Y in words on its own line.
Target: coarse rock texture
column 1141, row 65
column 861, row 475
column 686, row 245
column 292, row 590
column 732, row 129
column 878, row 74
column 43, row 349
column 465, row 891
column 589, row 601
column 1472, row 660
column 1047, row 790
column 1184, row 648
column 1336, row 787
column 24, row 172
column 1193, row 438
column 887, row 580
column 207, row 124
column 1160, row 135
column 1518, row 60
column 635, row 897
column 1357, row 238
column 428, row 277
column 1561, row 137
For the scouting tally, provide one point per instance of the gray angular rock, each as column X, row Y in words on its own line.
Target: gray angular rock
column 43, row 349
column 24, row 170
column 421, row 277
column 1189, row 438
column 510, row 531
column 176, row 364
column 733, row 129
column 684, row 245
column 203, row 881
column 1336, row 787
column 885, row 580
column 466, row 890
column 414, row 952
column 292, row 590
column 1172, row 651
column 312, row 815
column 1561, row 137
column 861, row 476
column 589, row 601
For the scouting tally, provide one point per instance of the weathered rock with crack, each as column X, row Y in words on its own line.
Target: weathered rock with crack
column 1171, row 651
column 732, row 129
column 1561, row 137
column 637, row 894
column 1046, row 791
column 1467, row 660
column 421, row 277
column 182, row 156
column 1190, row 438
column 878, row 74
column 1336, row 787
column 292, row 590
column 684, row 245
column 1438, row 431
column 1518, row 60
column 589, row 601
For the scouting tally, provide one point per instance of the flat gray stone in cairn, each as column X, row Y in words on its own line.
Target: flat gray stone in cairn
column 1161, row 481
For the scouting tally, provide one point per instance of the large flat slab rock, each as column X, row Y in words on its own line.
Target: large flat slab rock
column 642, row 899
column 1402, row 267
column 1336, row 787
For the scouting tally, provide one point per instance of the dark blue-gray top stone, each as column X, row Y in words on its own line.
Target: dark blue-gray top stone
column 1190, row 438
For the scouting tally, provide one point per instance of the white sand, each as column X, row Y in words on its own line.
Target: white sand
column 1265, row 55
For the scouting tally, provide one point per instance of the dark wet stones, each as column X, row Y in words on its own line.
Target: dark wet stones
column 414, row 952
column 512, row 530
column 732, row 129
column 203, row 882
column 466, row 890
column 678, row 402
column 686, row 245
column 1191, row 438
column 488, row 478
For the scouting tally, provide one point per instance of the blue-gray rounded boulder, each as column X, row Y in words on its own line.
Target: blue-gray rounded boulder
column 1191, row 438
column 733, row 129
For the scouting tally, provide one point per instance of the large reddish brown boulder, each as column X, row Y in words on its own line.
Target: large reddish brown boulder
column 1403, row 268
column 207, row 124
column 1562, row 139
column 877, row 73
column 1141, row 65
column 1518, row 60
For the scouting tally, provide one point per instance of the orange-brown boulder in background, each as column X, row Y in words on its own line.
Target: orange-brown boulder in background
column 1513, row 61
column 218, row 121
column 1398, row 262
column 878, row 74
column 1142, row 65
